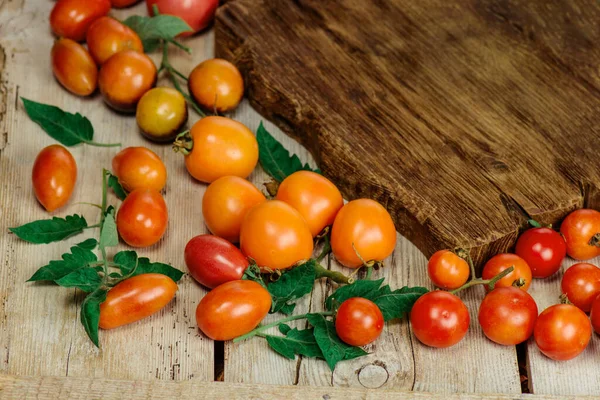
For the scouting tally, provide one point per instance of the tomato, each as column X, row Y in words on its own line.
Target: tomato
column 54, row 175
column 232, row 309
column 314, row 196
column 562, row 331
column 447, row 270
column 579, row 229
column 142, row 218
column 136, row 298
column 198, row 14
column 368, row 226
column 123, row 3
column 500, row 262
column 439, row 319
column 213, row 261
column 507, row 315
column 581, row 285
column 139, row 168
column 221, row 147
column 275, row 235
column 124, row 78
column 107, row 36
column 216, row 84
column 543, row 249
column 358, row 321
column 225, row 204
column 72, row 18
column 161, row 114
column 73, row 67
column 595, row 314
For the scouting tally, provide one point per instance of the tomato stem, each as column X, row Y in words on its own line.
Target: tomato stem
column 369, row 273
column 595, row 240
column 335, row 276
column 489, row 282
column 92, row 143
column 466, row 255
column 183, row 143
column 262, row 328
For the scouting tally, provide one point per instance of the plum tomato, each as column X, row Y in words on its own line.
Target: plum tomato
column 73, row 67
column 142, row 218
column 562, row 331
column 198, row 14
column 72, row 18
column 161, row 114
column 225, row 204
column 213, row 261
column 123, row 3
column 447, row 270
column 139, row 168
column 358, row 321
column 439, row 319
column 53, row 176
column 124, row 78
column 579, row 230
column 136, row 298
column 595, row 314
column 362, row 226
column 232, row 309
column 581, row 284
column 315, row 197
column 107, row 36
column 543, row 249
column 275, row 235
column 218, row 146
column 507, row 315
column 216, row 84
column 500, row 262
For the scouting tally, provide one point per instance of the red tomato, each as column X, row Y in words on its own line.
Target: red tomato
column 581, row 284
column 447, row 270
column 72, row 18
column 54, row 175
column 500, row 262
column 507, row 315
column 73, row 67
column 439, row 319
column 543, row 249
column 107, row 36
column 562, row 331
column 139, row 168
column 142, row 218
column 232, row 309
column 197, row 13
column 579, row 229
column 213, row 261
column 136, row 298
column 595, row 314
column 358, row 321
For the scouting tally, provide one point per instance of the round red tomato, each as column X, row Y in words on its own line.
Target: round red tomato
column 543, row 249
column 142, row 218
column 579, row 230
column 562, row 331
column 213, row 261
column 581, row 285
column 447, row 270
column 595, row 314
column 358, row 321
column 139, row 168
column 53, row 176
column 197, row 13
column 72, row 18
column 500, row 262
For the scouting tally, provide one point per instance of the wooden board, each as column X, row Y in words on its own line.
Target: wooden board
column 464, row 117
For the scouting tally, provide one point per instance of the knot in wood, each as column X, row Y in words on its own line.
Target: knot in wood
column 373, row 376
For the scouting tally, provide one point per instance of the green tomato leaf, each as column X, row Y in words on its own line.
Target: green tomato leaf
column 361, row 288
column 395, row 304
column 88, row 244
column 296, row 341
column 86, row 279
column 127, row 261
column 284, row 328
column 152, row 29
column 50, row 230
column 146, row 267
column 252, row 273
column 354, row 352
column 109, row 236
column 292, row 285
column 90, row 314
column 287, row 309
column 79, row 257
column 115, row 185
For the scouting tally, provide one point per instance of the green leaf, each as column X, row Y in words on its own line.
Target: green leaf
column 88, row 244
column 80, row 257
column 296, row 341
column 152, row 29
column 292, row 285
column 127, row 261
column 90, row 314
column 275, row 159
column 86, row 279
column 354, row 352
column 534, row 223
column 395, row 304
column 361, row 288
column 109, row 236
column 50, row 230
column 115, row 185
column 287, row 309
column 284, row 328
column 146, row 267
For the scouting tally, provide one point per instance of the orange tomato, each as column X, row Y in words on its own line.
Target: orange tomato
column 579, row 229
column 367, row 225
column 500, row 262
column 107, row 36
column 275, row 235
column 225, row 204
column 73, row 67
column 447, row 270
column 581, row 284
column 216, row 84
column 142, row 218
column 54, row 175
column 72, row 18
column 123, row 3
column 139, row 168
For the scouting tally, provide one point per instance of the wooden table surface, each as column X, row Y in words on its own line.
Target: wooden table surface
column 45, row 353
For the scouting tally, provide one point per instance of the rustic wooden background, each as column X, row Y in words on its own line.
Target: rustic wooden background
column 42, row 340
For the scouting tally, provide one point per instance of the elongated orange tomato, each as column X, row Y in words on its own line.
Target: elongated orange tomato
column 54, row 175
column 72, row 18
column 142, row 218
column 139, row 168
column 107, row 36
column 73, row 67
column 136, row 298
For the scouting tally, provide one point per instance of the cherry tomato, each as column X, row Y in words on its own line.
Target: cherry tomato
column 578, row 230
column 225, row 204
column 72, row 18
column 213, row 261
column 73, row 67
column 142, row 218
column 232, row 309
column 500, row 262
column 595, row 314
column 123, row 3
column 562, row 331
column 543, row 249
column 358, row 321
column 447, row 270
column 275, row 235
column 221, row 147
column 139, row 168
column 161, row 114
column 54, row 175
column 107, row 36
column 198, row 14
column 216, row 84
column 367, row 225
column 439, row 319
column 581, row 285
column 507, row 315
column 314, row 196
column 136, row 298
column 124, row 78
